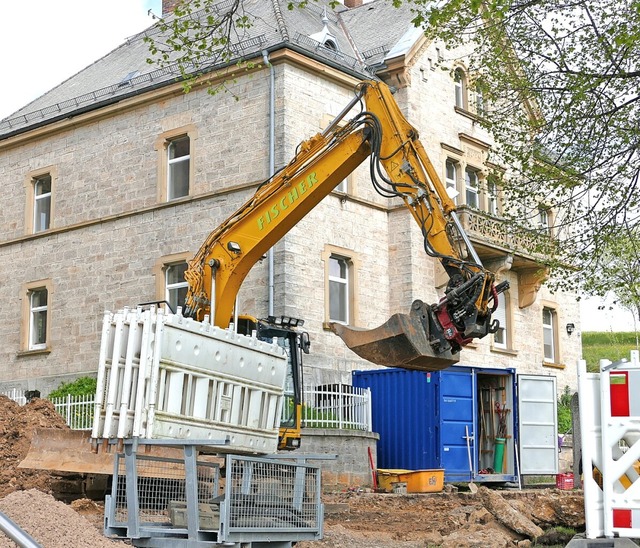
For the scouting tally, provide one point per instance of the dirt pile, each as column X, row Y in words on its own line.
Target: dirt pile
column 17, row 424
column 49, row 522
column 448, row 520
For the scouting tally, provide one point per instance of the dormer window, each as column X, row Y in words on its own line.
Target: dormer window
column 330, row 44
column 324, row 37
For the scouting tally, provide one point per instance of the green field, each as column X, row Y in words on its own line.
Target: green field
column 598, row 345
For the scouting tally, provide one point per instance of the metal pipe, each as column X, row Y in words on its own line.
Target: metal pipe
column 16, row 533
column 343, row 113
column 272, row 152
column 465, row 238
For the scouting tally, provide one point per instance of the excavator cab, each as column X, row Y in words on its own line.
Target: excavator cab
column 286, row 331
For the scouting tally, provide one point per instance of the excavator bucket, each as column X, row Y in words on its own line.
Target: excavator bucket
column 403, row 341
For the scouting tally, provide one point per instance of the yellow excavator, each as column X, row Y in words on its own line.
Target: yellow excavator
column 429, row 337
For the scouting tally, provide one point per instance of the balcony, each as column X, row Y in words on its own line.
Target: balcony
column 503, row 245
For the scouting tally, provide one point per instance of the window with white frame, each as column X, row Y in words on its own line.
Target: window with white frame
column 178, row 158
column 459, row 82
column 471, row 187
column 492, row 197
column 338, row 289
column 42, row 203
column 481, row 106
column 549, row 334
column 175, row 285
column 545, row 218
column 451, row 180
column 38, row 313
column 501, row 336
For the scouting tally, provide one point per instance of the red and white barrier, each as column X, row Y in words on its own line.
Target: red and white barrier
column 610, row 434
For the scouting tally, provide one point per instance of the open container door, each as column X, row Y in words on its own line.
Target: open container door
column 538, row 425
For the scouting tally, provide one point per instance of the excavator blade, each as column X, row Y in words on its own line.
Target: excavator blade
column 64, row 450
column 403, row 341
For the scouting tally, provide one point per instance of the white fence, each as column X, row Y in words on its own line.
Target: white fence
column 329, row 406
column 15, row 395
column 337, row 406
column 77, row 411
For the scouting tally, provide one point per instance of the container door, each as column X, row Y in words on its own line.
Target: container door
column 538, row 424
column 457, row 421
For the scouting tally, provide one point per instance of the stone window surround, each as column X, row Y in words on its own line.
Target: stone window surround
column 30, row 201
column 160, row 268
column 556, row 362
column 462, row 161
column 354, row 265
column 25, row 316
column 161, row 145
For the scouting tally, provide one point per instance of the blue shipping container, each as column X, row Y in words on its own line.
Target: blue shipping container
column 446, row 419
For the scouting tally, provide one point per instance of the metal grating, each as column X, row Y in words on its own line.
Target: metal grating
column 271, row 495
column 207, row 498
column 161, row 488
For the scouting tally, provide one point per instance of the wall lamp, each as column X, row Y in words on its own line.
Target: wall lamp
column 570, row 328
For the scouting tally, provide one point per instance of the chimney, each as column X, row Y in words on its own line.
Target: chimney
column 168, row 6
column 353, row 3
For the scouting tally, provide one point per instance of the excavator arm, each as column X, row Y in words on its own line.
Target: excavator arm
column 430, row 336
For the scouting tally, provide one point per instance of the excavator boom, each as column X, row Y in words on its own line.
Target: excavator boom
column 427, row 338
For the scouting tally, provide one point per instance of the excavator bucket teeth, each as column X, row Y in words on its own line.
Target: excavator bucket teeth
column 403, row 341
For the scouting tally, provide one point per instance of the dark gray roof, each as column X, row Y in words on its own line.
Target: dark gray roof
column 363, row 36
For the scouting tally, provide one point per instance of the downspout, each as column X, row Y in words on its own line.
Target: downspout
column 272, row 148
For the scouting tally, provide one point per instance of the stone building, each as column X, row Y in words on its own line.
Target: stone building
column 114, row 178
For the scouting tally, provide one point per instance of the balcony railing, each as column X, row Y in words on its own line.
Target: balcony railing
column 504, row 234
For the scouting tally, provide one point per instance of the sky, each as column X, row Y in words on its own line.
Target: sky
column 50, row 41
column 47, row 41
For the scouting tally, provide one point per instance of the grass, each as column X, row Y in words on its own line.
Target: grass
column 608, row 345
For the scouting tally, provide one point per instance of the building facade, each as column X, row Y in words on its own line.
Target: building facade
column 112, row 180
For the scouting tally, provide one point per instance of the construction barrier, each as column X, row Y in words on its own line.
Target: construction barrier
column 163, row 376
column 610, row 432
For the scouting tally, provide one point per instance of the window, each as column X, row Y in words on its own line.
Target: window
column 480, row 98
column 545, row 219
column 549, row 334
column 38, row 318
column 175, row 167
column 492, row 197
column 338, row 289
column 170, row 284
column 501, row 336
column 175, row 285
column 35, row 316
column 471, row 187
column 41, row 203
column 459, row 81
column 451, row 180
column 178, row 159
column 39, row 188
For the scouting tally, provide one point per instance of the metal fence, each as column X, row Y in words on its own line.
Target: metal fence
column 337, row 406
column 77, row 411
column 15, row 395
column 340, row 406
